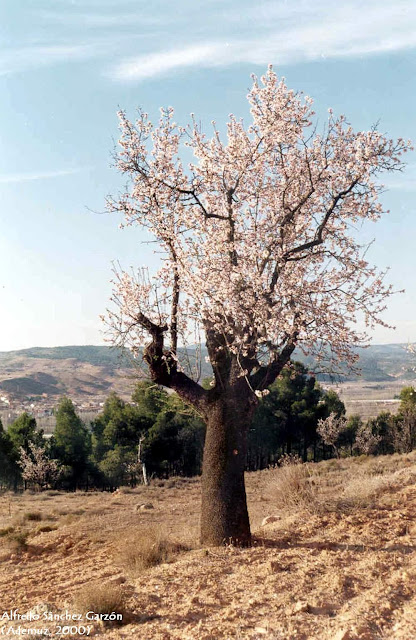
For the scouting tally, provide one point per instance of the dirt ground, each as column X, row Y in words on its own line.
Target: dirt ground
column 337, row 562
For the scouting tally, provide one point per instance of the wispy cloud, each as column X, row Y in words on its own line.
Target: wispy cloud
column 147, row 66
column 9, row 178
column 17, row 59
column 128, row 34
column 285, row 35
column 110, row 19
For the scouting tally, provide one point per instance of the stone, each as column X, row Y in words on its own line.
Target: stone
column 301, row 607
column 269, row 520
column 144, row 506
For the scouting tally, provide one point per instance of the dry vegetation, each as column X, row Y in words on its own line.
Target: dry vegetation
column 336, row 562
column 100, row 598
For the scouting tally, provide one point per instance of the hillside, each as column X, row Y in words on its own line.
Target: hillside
column 335, row 559
column 78, row 371
column 86, row 371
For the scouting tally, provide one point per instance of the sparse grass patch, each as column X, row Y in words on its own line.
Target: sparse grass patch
column 361, row 492
column 46, row 528
column 294, row 486
column 174, row 482
column 125, row 490
column 99, row 511
column 147, row 548
column 69, row 518
column 100, row 598
column 32, row 516
column 6, row 531
column 16, row 541
column 337, row 485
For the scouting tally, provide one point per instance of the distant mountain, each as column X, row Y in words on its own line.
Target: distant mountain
column 86, row 371
column 377, row 363
column 96, row 355
column 77, row 371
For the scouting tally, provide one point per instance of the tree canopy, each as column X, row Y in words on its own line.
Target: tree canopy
column 256, row 232
column 259, row 255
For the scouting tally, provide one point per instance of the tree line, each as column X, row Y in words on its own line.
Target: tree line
column 296, row 417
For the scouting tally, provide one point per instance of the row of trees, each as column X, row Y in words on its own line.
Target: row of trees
column 296, row 417
column 104, row 454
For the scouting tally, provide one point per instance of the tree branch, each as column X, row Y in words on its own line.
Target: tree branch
column 163, row 368
column 267, row 374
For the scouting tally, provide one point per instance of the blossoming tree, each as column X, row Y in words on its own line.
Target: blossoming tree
column 259, row 252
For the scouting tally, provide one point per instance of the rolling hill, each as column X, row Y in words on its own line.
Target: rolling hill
column 88, row 370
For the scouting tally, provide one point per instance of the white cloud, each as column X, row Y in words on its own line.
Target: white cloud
column 147, row 66
column 100, row 19
column 9, row 178
column 285, row 34
column 129, row 35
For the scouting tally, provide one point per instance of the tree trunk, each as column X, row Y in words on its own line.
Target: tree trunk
column 224, row 515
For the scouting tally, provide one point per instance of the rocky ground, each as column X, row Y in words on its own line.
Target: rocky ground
column 336, row 562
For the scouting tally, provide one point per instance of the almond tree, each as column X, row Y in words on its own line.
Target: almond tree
column 330, row 430
column 37, row 468
column 259, row 254
column 366, row 441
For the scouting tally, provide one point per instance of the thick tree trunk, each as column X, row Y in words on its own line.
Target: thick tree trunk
column 224, row 515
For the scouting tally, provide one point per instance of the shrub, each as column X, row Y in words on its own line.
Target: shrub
column 362, row 491
column 147, row 548
column 16, row 541
column 46, row 528
column 33, row 516
column 292, row 486
column 100, row 598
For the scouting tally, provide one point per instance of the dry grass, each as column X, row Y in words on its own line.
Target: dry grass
column 34, row 516
column 46, row 528
column 146, row 548
column 293, row 487
column 15, row 541
column 100, row 598
column 338, row 485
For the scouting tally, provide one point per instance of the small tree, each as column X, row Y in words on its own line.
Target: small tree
column 349, row 434
column 330, row 430
column 407, row 399
column 333, row 403
column 287, row 417
column 366, row 441
column 37, row 468
column 71, row 442
column 23, row 431
column 259, row 254
column 150, row 400
column 9, row 471
column 403, row 427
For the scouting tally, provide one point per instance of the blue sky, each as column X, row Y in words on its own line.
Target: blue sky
column 67, row 66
